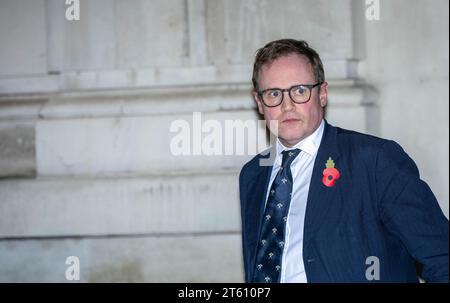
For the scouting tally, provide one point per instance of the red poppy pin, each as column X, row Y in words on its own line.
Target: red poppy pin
column 330, row 174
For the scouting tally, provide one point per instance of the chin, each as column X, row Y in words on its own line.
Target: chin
column 290, row 139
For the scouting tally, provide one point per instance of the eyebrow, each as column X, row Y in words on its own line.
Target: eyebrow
column 271, row 88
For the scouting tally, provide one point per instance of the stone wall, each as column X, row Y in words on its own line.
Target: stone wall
column 86, row 109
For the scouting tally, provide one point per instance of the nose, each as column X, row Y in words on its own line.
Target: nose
column 287, row 104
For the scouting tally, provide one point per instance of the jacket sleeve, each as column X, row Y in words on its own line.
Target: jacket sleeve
column 411, row 212
column 242, row 195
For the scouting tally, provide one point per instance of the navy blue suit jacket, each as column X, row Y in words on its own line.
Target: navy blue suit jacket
column 378, row 207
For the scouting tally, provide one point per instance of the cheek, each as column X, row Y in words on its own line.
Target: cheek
column 313, row 110
column 271, row 114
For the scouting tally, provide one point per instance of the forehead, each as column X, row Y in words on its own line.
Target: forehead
column 285, row 71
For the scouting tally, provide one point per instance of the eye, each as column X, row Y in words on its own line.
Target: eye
column 299, row 90
column 273, row 93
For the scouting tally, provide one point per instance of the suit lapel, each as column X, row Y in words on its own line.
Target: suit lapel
column 321, row 197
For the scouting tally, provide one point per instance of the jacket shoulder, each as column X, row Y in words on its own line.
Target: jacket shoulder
column 357, row 138
column 384, row 152
column 254, row 165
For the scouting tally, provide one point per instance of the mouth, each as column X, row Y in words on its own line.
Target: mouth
column 290, row 120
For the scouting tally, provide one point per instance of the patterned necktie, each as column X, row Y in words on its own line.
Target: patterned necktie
column 271, row 244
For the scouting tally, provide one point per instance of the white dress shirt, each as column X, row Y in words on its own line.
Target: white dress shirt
column 292, row 266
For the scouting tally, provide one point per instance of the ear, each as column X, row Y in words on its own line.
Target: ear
column 323, row 96
column 258, row 102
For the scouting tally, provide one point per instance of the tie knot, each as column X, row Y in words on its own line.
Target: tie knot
column 289, row 156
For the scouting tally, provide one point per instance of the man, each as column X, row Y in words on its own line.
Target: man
column 334, row 205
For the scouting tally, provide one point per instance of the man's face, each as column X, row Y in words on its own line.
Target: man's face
column 295, row 121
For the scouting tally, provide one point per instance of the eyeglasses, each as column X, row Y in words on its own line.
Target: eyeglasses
column 300, row 93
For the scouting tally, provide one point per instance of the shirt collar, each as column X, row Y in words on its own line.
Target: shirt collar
column 308, row 145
